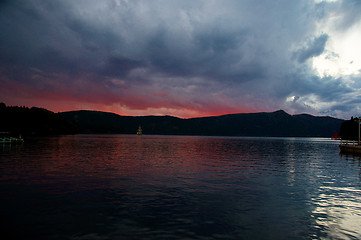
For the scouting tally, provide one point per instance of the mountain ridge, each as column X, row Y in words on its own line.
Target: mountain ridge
column 38, row 121
column 274, row 124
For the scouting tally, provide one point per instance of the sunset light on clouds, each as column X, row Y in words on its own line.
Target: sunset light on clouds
column 182, row 58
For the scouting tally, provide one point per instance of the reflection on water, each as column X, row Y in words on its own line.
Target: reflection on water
column 122, row 186
column 338, row 211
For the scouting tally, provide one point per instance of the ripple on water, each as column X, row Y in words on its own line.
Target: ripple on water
column 149, row 187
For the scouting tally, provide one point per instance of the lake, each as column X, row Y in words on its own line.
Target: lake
column 179, row 187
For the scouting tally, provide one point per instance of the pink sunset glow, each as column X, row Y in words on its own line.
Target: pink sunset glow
column 182, row 58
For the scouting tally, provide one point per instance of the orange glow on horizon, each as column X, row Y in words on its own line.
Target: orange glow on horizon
column 54, row 106
column 15, row 94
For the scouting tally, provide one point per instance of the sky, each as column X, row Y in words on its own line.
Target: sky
column 185, row 58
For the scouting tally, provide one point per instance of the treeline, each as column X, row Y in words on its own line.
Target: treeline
column 273, row 124
column 26, row 121
column 349, row 129
column 38, row 121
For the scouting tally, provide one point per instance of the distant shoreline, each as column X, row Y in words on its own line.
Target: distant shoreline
column 273, row 124
column 41, row 122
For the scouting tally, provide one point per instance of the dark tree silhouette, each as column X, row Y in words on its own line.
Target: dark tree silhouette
column 33, row 121
column 348, row 130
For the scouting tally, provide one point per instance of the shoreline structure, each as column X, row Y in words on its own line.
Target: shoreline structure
column 352, row 146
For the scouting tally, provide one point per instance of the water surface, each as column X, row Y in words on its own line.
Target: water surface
column 176, row 187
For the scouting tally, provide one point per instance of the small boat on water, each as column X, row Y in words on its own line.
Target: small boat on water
column 139, row 132
column 335, row 136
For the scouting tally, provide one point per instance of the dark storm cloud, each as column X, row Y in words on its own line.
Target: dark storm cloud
column 313, row 49
column 208, row 53
column 179, row 53
column 327, row 88
column 120, row 66
column 66, row 42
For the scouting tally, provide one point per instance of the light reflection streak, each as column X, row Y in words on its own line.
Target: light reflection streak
column 272, row 187
column 338, row 212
